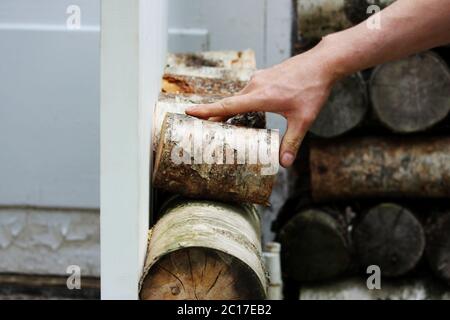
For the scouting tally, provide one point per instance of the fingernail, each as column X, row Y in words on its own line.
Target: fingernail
column 192, row 109
column 287, row 159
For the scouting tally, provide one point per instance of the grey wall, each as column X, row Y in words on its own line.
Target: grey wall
column 49, row 137
column 262, row 25
column 49, row 104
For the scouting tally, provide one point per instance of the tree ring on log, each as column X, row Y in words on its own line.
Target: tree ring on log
column 204, row 250
column 315, row 246
column 391, row 237
column 345, row 108
column 411, row 94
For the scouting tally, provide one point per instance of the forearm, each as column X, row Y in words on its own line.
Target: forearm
column 299, row 87
column 406, row 27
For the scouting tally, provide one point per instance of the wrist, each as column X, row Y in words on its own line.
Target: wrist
column 332, row 56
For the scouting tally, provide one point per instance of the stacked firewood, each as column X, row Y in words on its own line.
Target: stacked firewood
column 373, row 176
column 206, row 242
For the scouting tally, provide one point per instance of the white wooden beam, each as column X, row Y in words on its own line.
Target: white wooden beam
column 133, row 48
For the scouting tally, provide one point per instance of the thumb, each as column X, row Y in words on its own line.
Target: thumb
column 225, row 107
column 296, row 131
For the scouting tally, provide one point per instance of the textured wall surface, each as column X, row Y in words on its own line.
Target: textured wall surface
column 39, row 241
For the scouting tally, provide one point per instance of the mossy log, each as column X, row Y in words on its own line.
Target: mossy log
column 212, row 160
column 390, row 237
column 380, row 167
column 204, row 250
column 412, row 94
column 344, row 110
column 438, row 244
column 315, row 245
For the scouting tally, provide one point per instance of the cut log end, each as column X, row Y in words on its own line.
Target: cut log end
column 315, row 246
column 201, row 274
column 344, row 110
column 412, row 94
column 390, row 237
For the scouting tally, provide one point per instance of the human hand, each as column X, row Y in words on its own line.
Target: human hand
column 295, row 89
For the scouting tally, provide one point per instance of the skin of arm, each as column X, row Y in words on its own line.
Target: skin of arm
column 298, row 88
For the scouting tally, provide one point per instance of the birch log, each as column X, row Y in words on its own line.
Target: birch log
column 173, row 83
column 344, row 110
column 390, row 237
column 176, row 103
column 212, row 160
column 219, row 59
column 438, row 244
column 211, row 72
column 204, row 250
column 315, row 245
column 317, row 18
column 380, row 167
column 412, row 94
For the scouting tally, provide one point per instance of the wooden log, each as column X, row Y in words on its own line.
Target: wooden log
column 438, row 245
column 178, row 103
column 204, row 250
column 317, row 18
column 380, row 167
column 315, row 245
column 219, row 59
column 199, row 158
column 344, row 110
column 211, row 72
column 390, row 237
column 412, row 94
column 200, row 85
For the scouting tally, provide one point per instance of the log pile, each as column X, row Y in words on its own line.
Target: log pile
column 201, row 248
column 373, row 175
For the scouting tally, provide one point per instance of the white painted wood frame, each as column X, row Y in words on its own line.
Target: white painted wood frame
column 133, row 48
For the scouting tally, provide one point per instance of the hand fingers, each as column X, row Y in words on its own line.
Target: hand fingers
column 292, row 139
column 225, row 107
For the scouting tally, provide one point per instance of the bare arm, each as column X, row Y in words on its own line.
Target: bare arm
column 298, row 87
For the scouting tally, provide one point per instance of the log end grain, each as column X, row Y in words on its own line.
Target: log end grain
column 201, row 274
column 411, row 94
column 315, row 246
column 202, row 249
column 345, row 109
column 391, row 237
